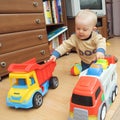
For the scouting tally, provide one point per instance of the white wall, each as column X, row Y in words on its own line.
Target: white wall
column 116, row 17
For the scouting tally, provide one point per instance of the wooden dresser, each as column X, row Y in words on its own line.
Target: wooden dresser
column 22, row 32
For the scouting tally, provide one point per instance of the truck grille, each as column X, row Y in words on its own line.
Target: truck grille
column 79, row 114
column 15, row 98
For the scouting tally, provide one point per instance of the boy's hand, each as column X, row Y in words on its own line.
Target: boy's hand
column 99, row 55
column 53, row 58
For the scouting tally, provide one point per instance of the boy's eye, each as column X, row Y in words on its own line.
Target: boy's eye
column 78, row 29
column 85, row 29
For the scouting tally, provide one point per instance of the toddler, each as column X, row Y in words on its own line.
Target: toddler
column 89, row 44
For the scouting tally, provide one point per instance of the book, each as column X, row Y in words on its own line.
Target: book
column 56, row 32
column 62, row 37
column 53, row 44
column 59, row 8
column 47, row 11
column 57, row 41
column 54, row 11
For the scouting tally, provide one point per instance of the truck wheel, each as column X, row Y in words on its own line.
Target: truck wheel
column 116, row 90
column 103, row 112
column 113, row 96
column 37, row 100
column 53, row 83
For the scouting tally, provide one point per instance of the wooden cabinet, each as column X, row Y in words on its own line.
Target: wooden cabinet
column 23, row 32
column 101, row 25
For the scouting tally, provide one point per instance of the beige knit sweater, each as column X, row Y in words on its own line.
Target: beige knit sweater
column 86, row 49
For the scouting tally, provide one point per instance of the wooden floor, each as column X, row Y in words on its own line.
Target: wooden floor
column 56, row 102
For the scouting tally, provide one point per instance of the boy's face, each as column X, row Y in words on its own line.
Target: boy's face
column 83, row 28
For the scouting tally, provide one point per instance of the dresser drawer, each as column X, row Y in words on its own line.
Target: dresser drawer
column 40, row 52
column 19, row 40
column 21, row 22
column 21, row 6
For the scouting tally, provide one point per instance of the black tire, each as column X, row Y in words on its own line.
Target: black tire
column 116, row 90
column 37, row 100
column 103, row 112
column 53, row 83
column 113, row 96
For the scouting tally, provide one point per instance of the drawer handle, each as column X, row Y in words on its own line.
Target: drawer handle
column 37, row 21
column 35, row 4
column 0, row 44
column 42, row 52
column 40, row 37
column 3, row 64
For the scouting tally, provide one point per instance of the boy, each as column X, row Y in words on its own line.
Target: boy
column 89, row 44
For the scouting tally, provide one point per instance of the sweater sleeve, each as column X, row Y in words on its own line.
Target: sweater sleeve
column 101, row 50
column 101, row 43
column 56, row 54
column 67, row 45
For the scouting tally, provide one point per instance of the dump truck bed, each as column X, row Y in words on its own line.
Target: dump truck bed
column 43, row 71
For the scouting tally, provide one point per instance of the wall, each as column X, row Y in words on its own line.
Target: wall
column 116, row 17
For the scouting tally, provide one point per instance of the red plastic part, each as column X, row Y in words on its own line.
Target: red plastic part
column 111, row 59
column 43, row 71
column 87, row 86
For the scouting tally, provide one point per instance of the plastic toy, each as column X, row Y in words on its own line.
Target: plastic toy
column 29, row 83
column 76, row 69
column 95, row 91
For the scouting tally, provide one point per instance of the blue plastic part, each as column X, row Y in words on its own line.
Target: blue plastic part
column 26, row 104
column 45, row 86
column 94, row 71
column 21, row 82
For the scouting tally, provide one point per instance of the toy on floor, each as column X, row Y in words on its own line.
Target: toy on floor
column 76, row 69
column 95, row 91
column 29, row 82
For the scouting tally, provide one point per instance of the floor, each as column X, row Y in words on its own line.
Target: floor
column 56, row 102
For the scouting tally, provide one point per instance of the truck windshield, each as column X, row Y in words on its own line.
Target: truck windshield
column 82, row 100
column 19, row 83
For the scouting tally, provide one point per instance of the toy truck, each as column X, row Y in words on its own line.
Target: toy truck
column 95, row 91
column 29, row 82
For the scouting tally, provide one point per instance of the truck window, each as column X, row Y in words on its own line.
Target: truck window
column 82, row 100
column 97, row 92
column 19, row 83
column 32, row 80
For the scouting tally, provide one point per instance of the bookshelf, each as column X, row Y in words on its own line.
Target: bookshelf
column 56, row 21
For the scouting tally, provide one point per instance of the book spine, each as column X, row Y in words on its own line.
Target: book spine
column 62, row 37
column 47, row 11
column 59, row 7
column 53, row 5
column 57, row 41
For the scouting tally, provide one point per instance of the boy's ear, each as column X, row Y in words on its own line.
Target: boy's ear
column 95, row 28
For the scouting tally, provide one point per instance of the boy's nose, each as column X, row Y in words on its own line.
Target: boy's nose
column 80, row 31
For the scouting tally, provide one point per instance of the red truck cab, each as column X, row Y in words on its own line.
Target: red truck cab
column 87, row 96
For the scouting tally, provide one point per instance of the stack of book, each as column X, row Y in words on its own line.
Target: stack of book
column 56, row 37
column 53, row 11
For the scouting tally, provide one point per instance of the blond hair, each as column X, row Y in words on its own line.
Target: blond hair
column 87, row 14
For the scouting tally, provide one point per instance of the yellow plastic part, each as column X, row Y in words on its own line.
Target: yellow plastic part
column 30, row 88
column 102, row 62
